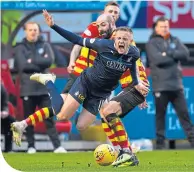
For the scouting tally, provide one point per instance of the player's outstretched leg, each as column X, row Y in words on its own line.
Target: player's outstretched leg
column 43, row 78
column 44, row 113
column 48, row 80
column 19, row 127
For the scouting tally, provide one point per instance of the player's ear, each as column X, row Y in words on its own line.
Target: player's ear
column 133, row 43
column 112, row 36
column 130, row 42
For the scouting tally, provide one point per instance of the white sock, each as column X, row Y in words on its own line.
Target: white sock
column 117, row 148
column 24, row 124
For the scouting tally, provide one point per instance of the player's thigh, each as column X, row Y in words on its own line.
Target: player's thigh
column 111, row 107
column 69, row 108
column 93, row 104
column 79, row 90
column 85, row 119
column 75, row 97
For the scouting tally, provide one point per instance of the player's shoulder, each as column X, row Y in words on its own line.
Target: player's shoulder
column 93, row 27
column 94, row 24
column 91, row 31
column 133, row 48
column 135, row 51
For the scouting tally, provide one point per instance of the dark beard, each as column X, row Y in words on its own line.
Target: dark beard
column 108, row 33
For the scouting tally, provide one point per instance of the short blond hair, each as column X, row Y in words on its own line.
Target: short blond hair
column 113, row 3
column 123, row 28
column 127, row 29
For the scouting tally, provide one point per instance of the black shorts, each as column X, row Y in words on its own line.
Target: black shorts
column 129, row 98
column 92, row 99
column 70, row 82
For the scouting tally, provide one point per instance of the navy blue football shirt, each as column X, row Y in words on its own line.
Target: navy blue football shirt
column 109, row 65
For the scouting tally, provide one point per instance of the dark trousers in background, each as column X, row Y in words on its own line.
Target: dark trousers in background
column 179, row 103
column 30, row 103
column 6, row 130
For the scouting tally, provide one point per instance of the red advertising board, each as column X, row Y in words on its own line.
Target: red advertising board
column 180, row 13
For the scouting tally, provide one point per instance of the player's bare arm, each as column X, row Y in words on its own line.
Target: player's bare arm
column 73, row 57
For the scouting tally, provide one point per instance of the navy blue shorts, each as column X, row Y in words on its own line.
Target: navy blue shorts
column 91, row 98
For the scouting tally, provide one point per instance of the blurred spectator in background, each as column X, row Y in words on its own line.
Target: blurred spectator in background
column 6, row 119
column 164, row 53
column 35, row 55
column 61, row 60
column 2, row 50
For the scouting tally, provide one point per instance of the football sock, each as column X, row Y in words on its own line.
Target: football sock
column 110, row 134
column 56, row 99
column 39, row 116
column 119, row 130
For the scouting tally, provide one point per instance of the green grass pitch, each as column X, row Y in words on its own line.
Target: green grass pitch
column 155, row 161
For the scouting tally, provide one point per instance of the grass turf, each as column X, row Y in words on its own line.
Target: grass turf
column 159, row 161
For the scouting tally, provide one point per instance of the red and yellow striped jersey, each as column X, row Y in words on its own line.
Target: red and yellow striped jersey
column 126, row 78
column 87, row 56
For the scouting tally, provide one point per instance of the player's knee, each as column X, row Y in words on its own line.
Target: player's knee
column 62, row 117
column 105, row 111
column 81, row 126
column 111, row 107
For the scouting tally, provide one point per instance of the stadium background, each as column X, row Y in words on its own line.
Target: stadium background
column 139, row 15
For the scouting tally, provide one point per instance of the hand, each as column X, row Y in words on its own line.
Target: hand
column 145, row 93
column 29, row 60
column 147, row 84
column 46, row 56
column 144, row 105
column 164, row 54
column 70, row 68
column 4, row 114
column 142, row 88
column 48, row 18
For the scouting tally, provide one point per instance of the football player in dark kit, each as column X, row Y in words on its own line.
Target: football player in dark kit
column 96, row 83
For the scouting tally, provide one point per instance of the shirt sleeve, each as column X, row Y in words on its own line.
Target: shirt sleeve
column 134, row 73
column 91, row 31
column 141, row 71
column 95, row 44
column 98, row 45
column 134, row 52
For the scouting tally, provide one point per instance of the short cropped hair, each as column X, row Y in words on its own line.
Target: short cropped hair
column 113, row 3
column 127, row 29
column 160, row 19
column 31, row 22
column 123, row 28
